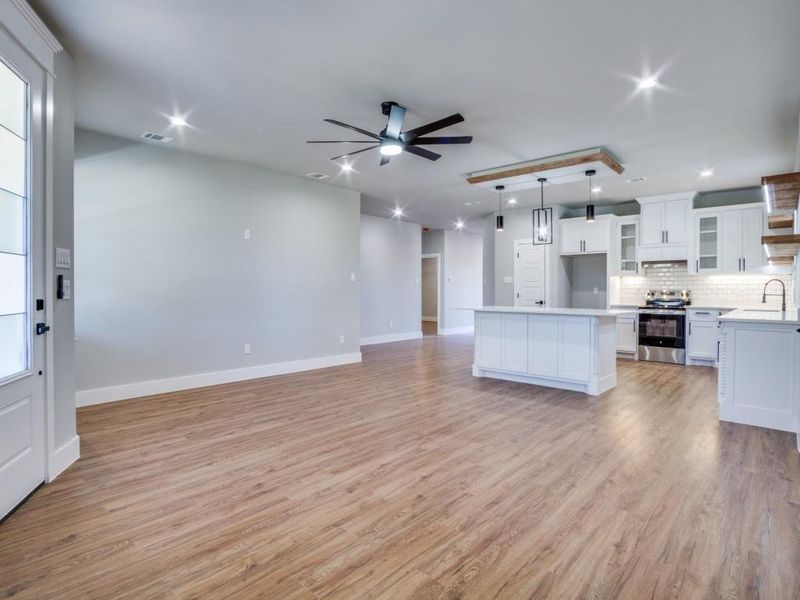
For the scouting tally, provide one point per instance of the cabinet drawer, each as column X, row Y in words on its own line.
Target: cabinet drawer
column 702, row 315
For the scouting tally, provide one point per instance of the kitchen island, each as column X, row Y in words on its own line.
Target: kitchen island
column 567, row 348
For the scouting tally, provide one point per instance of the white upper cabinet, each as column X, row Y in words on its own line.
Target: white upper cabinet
column 733, row 235
column 666, row 226
column 578, row 236
column 627, row 244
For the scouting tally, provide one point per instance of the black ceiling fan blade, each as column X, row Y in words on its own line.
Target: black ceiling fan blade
column 340, row 141
column 354, row 152
column 409, row 135
column 395, row 124
column 353, row 127
column 385, row 160
column 459, row 139
column 423, row 153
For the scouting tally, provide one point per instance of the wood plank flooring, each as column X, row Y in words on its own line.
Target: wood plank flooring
column 405, row 477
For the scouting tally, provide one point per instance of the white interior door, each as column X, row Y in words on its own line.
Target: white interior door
column 22, row 445
column 529, row 274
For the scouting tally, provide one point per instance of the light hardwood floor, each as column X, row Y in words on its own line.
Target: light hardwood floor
column 405, row 477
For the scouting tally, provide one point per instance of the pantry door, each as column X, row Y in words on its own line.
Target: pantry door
column 22, row 267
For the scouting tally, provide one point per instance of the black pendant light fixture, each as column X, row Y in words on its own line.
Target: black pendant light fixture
column 542, row 220
column 499, row 189
column 590, row 207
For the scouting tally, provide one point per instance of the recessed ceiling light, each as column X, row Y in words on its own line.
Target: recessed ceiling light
column 706, row 173
column 178, row 121
column 473, row 203
column 397, row 212
column 459, row 224
column 647, row 83
column 346, row 167
column 314, row 175
column 597, row 189
column 635, row 180
column 512, row 201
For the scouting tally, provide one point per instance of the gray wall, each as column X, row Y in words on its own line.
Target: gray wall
column 63, row 326
column 168, row 286
column 587, row 274
column 390, row 276
column 430, row 288
column 518, row 225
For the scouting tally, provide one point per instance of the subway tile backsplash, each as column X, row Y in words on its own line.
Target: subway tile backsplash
column 708, row 290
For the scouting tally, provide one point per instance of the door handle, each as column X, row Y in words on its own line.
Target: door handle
column 42, row 328
column 539, row 302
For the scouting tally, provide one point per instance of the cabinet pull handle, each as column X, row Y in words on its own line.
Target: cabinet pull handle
column 697, row 265
column 690, row 328
column 744, row 264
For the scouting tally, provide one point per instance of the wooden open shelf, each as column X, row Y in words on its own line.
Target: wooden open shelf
column 781, row 221
column 781, row 247
column 784, row 191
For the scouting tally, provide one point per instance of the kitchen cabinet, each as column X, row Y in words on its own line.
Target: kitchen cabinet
column 579, row 236
column 707, row 242
column 758, row 383
column 627, row 244
column 728, row 239
column 627, row 334
column 575, row 348
column 665, row 226
column 702, row 337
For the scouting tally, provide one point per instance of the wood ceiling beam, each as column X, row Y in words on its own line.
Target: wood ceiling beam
column 601, row 156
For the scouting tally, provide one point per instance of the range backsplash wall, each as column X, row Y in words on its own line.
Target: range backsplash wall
column 708, row 290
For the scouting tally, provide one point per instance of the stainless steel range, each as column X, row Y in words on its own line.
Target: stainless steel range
column 662, row 326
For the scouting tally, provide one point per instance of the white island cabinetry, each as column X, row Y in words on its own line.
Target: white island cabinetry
column 573, row 349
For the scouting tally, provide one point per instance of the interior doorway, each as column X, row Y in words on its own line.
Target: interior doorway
column 431, row 297
column 530, row 273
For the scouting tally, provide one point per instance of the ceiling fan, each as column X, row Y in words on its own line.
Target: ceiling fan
column 392, row 140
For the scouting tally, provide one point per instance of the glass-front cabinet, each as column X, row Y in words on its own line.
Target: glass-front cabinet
column 707, row 243
column 628, row 234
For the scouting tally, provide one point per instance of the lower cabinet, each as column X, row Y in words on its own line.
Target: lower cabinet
column 541, row 345
column 759, row 382
column 627, row 334
column 702, row 335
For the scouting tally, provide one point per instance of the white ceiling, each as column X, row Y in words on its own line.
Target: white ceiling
column 533, row 78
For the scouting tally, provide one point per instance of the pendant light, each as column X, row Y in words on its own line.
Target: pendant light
column 590, row 207
column 542, row 220
column 499, row 189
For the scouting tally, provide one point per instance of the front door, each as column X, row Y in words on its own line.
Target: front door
column 22, row 442
column 529, row 274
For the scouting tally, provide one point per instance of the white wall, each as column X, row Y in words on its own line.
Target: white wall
column 430, row 288
column 63, row 326
column 168, row 287
column 463, row 275
column 391, row 253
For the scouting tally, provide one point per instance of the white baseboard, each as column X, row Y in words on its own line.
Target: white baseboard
column 431, row 319
column 455, row 330
column 391, row 337
column 63, row 457
column 187, row 382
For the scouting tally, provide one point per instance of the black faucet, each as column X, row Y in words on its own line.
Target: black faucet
column 782, row 294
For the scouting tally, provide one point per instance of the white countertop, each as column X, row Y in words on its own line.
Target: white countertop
column 535, row 310
column 743, row 315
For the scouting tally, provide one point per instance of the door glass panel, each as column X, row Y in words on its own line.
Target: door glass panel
column 12, row 223
column 707, row 235
column 12, row 162
column 12, row 101
column 14, row 302
column 13, row 348
column 628, row 246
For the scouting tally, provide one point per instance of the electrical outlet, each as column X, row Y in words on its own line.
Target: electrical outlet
column 341, row 339
column 247, row 348
column 67, row 289
column 390, row 324
column 595, row 291
column 352, row 277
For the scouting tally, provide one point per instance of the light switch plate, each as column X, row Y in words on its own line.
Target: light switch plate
column 63, row 258
column 247, row 234
column 508, row 279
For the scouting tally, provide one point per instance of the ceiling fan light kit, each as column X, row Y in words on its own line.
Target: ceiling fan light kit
column 392, row 140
